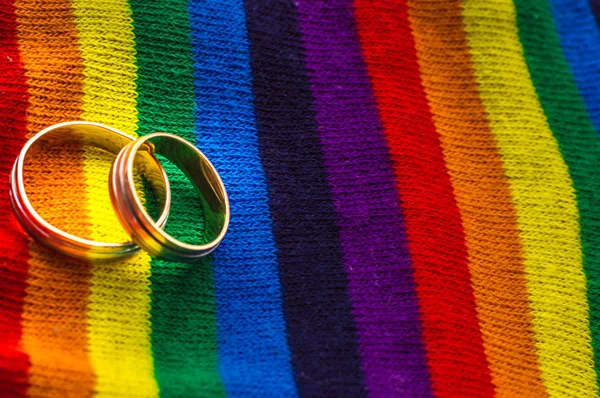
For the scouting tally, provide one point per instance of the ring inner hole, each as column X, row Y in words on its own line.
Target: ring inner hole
column 186, row 220
column 55, row 185
column 66, row 181
column 197, row 212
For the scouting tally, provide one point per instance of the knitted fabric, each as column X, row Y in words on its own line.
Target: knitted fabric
column 413, row 184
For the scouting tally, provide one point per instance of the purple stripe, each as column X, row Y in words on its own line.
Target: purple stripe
column 366, row 201
column 321, row 331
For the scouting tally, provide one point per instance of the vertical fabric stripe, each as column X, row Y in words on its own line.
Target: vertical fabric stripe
column 120, row 293
column 436, row 240
column 184, row 341
column 254, row 358
column 321, row 330
column 362, row 183
column 55, row 312
column 483, row 197
column 14, row 362
column 578, row 142
column 595, row 5
column 543, row 195
column 580, row 39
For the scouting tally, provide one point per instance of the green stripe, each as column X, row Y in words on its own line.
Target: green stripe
column 572, row 127
column 184, row 342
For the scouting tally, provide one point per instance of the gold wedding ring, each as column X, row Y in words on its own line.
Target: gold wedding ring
column 85, row 133
column 148, row 234
column 133, row 156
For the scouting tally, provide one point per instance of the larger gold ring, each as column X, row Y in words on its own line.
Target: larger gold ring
column 85, row 133
column 136, row 221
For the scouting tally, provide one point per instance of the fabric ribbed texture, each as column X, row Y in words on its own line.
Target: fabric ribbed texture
column 372, row 231
column 119, row 327
column 413, row 185
column 578, row 35
column 579, row 147
column 482, row 195
column 182, row 298
column 54, row 324
column 14, row 253
column 580, row 40
column 251, row 334
column 320, row 327
column 437, row 250
column 544, row 196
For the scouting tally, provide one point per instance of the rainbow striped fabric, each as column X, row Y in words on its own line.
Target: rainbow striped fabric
column 414, row 186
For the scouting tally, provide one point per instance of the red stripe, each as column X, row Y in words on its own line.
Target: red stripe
column 14, row 247
column 451, row 333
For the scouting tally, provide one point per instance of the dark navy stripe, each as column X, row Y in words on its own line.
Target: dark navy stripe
column 254, row 358
column 321, row 330
column 595, row 5
column 373, row 227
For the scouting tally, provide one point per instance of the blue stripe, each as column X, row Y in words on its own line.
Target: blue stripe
column 254, row 357
column 580, row 41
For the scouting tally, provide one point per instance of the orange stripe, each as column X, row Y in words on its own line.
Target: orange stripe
column 55, row 311
column 483, row 196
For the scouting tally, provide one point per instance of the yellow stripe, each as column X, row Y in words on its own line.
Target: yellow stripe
column 119, row 304
column 544, row 197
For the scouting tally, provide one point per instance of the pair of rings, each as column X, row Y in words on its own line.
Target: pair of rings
column 133, row 155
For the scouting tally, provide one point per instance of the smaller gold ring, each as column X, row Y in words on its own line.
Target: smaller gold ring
column 202, row 174
column 87, row 133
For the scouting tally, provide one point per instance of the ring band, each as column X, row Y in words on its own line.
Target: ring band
column 97, row 135
column 136, row 221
